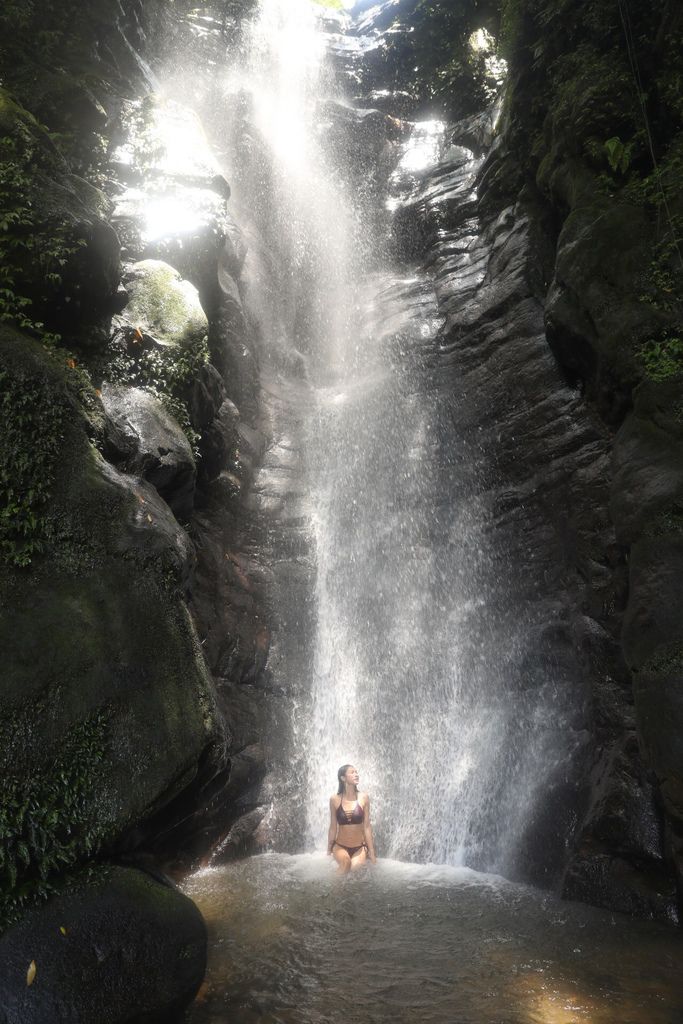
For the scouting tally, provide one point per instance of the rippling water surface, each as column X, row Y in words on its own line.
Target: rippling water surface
column 291, row 943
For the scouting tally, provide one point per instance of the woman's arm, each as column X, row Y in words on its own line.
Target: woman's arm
column 367, row 830
column 332, row 832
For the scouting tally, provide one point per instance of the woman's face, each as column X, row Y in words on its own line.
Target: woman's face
column 352, row 776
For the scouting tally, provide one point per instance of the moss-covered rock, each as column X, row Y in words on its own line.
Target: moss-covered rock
column 647, row 491
column 106, row 706
column 599, row 320
column 164, row 305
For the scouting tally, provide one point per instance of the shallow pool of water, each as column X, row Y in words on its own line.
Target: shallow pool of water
column 291, row 943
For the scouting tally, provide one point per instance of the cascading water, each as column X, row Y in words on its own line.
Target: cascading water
column 415, row 620
column 291, row 192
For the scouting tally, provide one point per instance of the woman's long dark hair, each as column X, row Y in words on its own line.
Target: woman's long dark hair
column 341, row 772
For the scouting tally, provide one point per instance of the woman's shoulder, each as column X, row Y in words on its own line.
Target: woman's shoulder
column 363, row 798
column 334, row 798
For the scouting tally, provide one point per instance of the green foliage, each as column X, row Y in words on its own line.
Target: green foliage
column 33, row 417
column 45, row 818
column 36, row 33
column 618, row 155
column 588, row 102
column 428, row 52
column 50, row 65
column 662, row 358
column 512, row 13
column 166, row 372
column 594, row 99
column 31, row 245
column 659, row 276
column 580, row 76
column 660, row 192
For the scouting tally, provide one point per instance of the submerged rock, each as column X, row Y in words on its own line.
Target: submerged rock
column 114, row 946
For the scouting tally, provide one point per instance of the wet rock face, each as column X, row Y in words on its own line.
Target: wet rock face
column 362, row 144
column 151, row 445
column 613, row 312
column 618, row 862
column 618, row 857
column 118, row 947
column 558, row 509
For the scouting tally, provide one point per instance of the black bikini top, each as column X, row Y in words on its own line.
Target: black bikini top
column 354, row 817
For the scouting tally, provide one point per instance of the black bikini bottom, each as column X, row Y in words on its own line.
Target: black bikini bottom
column 351, row 850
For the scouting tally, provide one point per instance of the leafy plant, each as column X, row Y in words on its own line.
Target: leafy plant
column 46, row 820
column 33, row 417
column 429, row 53
column 165, row 372
column 662, row 358
column 32, row 246
column 618, row 155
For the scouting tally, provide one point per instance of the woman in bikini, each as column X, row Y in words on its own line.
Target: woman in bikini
column 349, row 839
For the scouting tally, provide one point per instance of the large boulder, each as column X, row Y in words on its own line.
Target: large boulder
column 106, row 706
column 152, row 445
column 114, row 946
column 164, row 305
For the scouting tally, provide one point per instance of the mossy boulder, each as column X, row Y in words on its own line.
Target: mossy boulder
column 106, row 707
column 163, row 305
column 113, row 946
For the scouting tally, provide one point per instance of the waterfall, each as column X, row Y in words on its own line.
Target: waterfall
column 409, row 676
column 291, row 190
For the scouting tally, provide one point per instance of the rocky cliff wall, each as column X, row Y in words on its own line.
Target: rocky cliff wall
column 592, row 133
column 565, row 345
